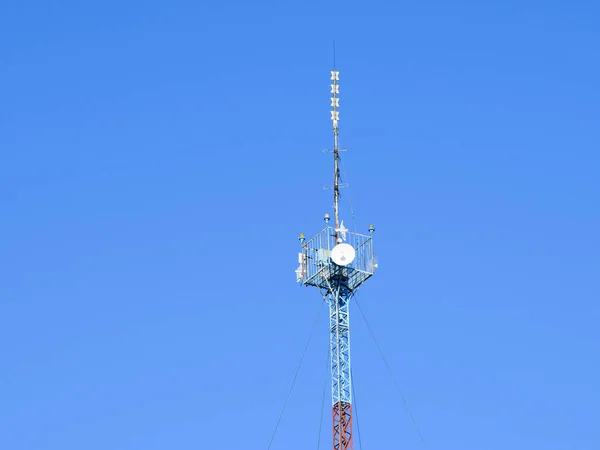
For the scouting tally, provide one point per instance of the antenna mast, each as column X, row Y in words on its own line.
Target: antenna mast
column 335, row 117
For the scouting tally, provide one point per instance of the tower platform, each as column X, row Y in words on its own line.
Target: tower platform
column 317, row 268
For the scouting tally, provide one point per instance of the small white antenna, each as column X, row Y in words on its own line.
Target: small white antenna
column 342, row 231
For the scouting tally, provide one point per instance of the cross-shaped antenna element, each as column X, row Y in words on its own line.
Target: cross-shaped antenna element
column 342, row 230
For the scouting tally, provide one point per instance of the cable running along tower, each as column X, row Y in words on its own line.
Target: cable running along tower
column 337, row 261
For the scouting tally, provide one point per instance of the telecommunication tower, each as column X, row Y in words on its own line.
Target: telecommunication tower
column 337, row 261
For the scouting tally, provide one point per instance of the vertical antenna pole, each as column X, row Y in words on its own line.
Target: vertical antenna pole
column 338, row 298
column 335, row 117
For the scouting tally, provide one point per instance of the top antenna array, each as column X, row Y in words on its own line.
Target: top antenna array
column 335, row 101
column 335, row 118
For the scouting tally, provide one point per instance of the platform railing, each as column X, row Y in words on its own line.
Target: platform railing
column 316, row 264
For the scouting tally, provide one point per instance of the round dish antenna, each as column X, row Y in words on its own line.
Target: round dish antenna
column 343, row 254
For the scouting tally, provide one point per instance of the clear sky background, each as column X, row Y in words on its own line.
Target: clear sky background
column 158, row 160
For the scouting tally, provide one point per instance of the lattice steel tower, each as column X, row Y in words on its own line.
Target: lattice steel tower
column 337, row 261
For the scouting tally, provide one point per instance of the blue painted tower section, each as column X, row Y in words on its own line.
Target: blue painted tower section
column 339, row 321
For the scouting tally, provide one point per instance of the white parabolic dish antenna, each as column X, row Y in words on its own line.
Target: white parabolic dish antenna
column 343, row 254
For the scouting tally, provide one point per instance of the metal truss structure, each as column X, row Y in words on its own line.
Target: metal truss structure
column 337, row 282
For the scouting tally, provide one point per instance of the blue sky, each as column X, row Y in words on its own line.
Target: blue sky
column 158, row 160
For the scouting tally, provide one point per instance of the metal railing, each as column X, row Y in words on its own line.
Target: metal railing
column 317, row 267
